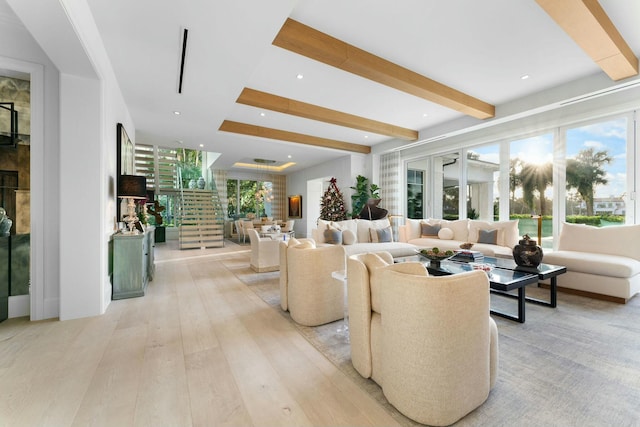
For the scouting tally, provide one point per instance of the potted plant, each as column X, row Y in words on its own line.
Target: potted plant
column 363, row 192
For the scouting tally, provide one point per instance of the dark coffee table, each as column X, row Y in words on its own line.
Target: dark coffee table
column 506, row 276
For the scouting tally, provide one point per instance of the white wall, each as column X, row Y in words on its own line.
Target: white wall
column 345, row 169
column 19, row 51
column 91, row 105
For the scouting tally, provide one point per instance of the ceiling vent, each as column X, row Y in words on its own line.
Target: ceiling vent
column 183, row 55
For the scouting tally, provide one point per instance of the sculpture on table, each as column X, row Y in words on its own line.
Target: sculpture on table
column 5, row 223
column 155, row 211
column 371, row 210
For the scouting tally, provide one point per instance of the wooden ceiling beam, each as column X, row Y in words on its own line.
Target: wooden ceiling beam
column 589, row 26
column 283, row 135
column 280, row 104
column 306, row 41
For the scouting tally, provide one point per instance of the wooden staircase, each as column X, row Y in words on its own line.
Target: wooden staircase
column 201, row 220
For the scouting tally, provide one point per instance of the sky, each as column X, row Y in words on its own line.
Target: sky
column 609, row 136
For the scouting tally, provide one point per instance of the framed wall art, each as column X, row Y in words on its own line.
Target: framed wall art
column 295, row 206
column 125, row 152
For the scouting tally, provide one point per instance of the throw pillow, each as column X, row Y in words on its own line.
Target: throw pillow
column 445, row 234
column 348, row 237
column 333, row 236
column 385, row 235
column 488, row 236
column 429, row 230
column 381, row 235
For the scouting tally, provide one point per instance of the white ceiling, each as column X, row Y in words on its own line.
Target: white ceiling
column 480, row 48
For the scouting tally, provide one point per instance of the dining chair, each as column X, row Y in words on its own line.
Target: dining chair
column 246, row 226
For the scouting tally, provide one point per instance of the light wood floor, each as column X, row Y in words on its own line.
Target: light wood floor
column 200, row 349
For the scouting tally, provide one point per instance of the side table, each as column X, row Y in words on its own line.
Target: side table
column 344, row 328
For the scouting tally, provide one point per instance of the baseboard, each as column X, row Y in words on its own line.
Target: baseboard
column 594, row 295
column 19, row 306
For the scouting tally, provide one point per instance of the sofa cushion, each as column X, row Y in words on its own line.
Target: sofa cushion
column 445, row 234
column 459, row 227
column 364, row 225
column 507, row 231
column 623, row 240
column 396, row 249
column 349, row 237
column 381, row 235
column 347, row 224
column 429, row 230
column 488, row 236
column 413, row 228
column 592, row 263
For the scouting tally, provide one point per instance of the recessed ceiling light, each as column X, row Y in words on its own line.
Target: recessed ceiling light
column 201, row 145
column 177, row 113
column 262, row 114
column 425, row 115
column 366, row 136
column 300, row 76
column 525, row 77
column 289, row 156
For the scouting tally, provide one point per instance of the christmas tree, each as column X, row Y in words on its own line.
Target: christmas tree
column 332, row 204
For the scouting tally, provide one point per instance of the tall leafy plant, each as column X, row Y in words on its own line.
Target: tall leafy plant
column 363, row 192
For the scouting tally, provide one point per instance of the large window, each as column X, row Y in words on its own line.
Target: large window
column 483, row 173
column 531, row 186
column 415, row 193
column 582, row 174
column 596, row 171
column 446, row 186
column 249, row 197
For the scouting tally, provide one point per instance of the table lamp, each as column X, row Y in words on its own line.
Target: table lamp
column 132, row 187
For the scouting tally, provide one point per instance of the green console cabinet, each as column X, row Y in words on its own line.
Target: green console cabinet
column 132, row 263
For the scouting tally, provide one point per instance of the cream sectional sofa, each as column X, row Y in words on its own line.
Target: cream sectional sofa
column 462, row 231
column 601, row 262
column 357, row 237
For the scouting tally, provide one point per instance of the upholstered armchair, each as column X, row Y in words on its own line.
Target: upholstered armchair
column 429, row 342
column 307, row 289
column 264, row 253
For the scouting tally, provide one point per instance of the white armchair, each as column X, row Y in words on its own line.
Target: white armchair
column 307, row 289
column 264, row 253
column 429, row 342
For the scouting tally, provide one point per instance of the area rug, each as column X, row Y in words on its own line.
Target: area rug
column 575, row 365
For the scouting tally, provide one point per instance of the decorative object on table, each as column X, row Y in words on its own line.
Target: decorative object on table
column 371, row 211
column 363, row 192
column 332, row 203
column 5, row 223
column 481, row 266
column 274, row 228
column 526, row 253
column 156, row 211
column 295, row 206
column 201, row 183
column 466, row 245
column 132, row 187
column 192, row 184
column 435, row 255
column 467, row 255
